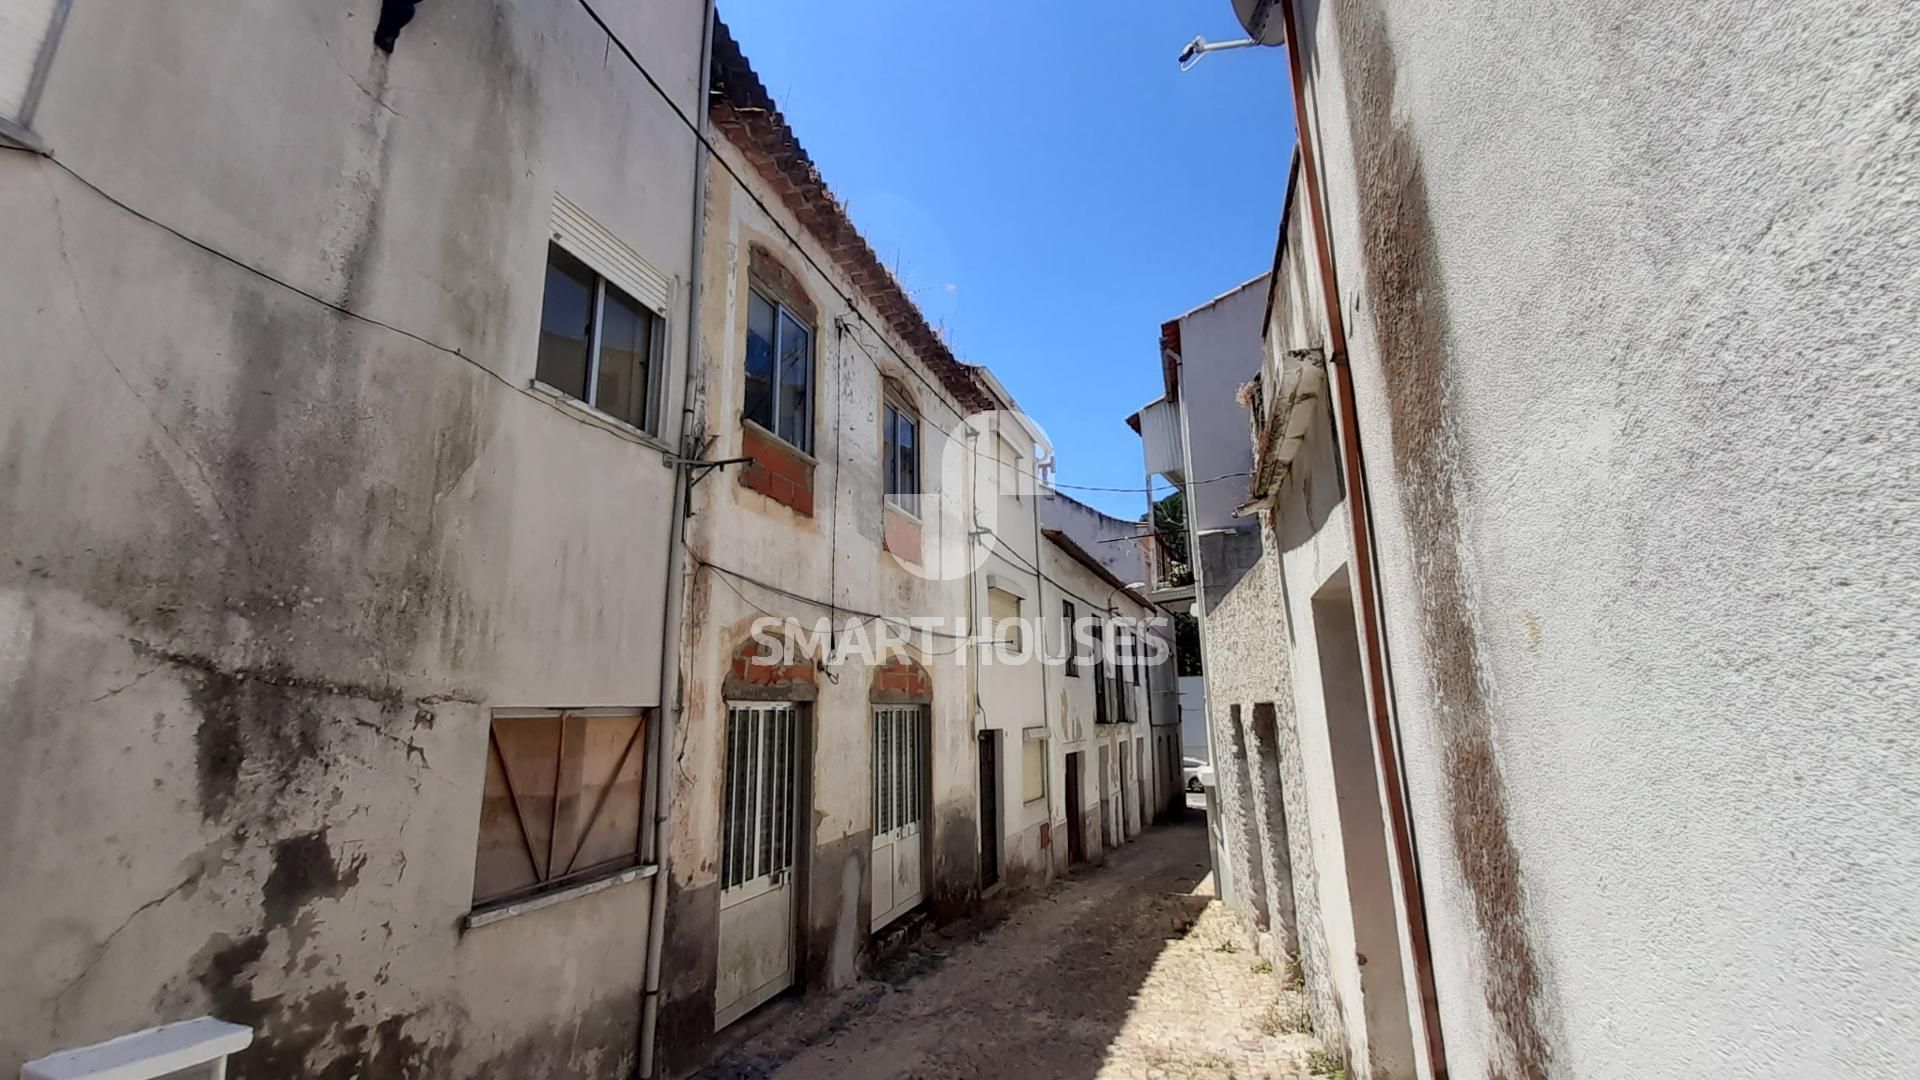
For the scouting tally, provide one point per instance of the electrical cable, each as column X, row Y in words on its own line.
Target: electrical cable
column 794, row 243
column 339, row 309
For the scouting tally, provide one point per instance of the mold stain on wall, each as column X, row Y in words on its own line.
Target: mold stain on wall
column 1408, row 306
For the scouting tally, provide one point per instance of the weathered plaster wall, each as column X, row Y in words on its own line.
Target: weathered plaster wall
column 1219, row 351
column 267, row 566
column 1071, row 720
column 1114, row 541
column 1013, row 695
column 1633, row 295
column 835, row 557
column 1247, row 665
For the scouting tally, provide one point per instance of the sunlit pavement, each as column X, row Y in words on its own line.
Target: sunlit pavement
column 1129, row 970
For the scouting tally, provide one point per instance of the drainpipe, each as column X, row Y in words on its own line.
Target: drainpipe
column 1366, row 580
column 1040, row 649
column 672, row 603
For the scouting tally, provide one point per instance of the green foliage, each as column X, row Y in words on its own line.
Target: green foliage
column 1170, row 522
column 1321, row 1063
column 1286, row 1019
column 1186, row 643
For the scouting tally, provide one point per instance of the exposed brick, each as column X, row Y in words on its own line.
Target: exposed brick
column 776, row 470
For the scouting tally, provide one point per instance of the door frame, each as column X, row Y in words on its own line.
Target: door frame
column 923, row 832
column 1076, row 797
column 800, row 876
column 992, row 805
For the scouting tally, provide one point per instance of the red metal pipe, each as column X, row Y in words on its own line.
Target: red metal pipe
column 1365, row 579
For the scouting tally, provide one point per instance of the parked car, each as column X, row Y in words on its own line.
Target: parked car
column 1199, row 774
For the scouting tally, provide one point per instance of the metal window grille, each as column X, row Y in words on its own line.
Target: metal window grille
column 899, row 767
column 757, row 839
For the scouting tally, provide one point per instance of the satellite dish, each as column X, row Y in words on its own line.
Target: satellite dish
column 1262, row 20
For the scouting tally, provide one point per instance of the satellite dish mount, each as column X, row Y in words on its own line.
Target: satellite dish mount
column 1260, row 18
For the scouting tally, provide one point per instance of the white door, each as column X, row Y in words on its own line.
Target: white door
column 756, row 858
column 899, row 804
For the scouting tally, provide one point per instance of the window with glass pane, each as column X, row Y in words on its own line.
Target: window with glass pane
column 596, row 342
column 903, row 458
column 760, row 332
column 779, row 375
column 566, row 323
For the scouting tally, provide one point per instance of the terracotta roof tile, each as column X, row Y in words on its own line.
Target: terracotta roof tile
column 742, row 109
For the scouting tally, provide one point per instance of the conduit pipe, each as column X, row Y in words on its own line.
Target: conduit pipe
column 673, row 617
column 1366, row 579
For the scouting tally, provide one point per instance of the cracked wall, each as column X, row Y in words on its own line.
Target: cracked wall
column 835, row 554
column 267, row 565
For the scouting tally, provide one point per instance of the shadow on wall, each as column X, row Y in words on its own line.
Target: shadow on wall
column 1113, row 925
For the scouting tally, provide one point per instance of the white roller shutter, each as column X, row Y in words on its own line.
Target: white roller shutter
column 604, row 252
column 26, row 30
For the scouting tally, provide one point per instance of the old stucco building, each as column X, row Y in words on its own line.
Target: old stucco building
column 846, row 507
column 1579, row 465
column 312, row 519
column 401, row 444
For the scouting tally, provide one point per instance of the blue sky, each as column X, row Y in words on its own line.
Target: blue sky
column 1045, row 179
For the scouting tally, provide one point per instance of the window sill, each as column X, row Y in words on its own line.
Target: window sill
column 911, row 516
column 487, row 916
column 580, row 410
column 786, row 445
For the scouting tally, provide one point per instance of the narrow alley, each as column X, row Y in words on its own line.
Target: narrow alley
column 744, row 540
column 1128, row 970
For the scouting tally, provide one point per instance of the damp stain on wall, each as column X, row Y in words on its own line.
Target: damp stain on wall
column 1407, row 303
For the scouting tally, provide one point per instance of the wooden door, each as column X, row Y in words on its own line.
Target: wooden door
column 1076, row 812
column 899, row 809
column 989, row 808
column 759, row 835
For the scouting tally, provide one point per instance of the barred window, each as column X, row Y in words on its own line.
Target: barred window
column 757, row 840
column 899, row 770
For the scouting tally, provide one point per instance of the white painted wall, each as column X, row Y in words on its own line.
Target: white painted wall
column 1634, row 381
column 1115, row 542
column 1073, row 705
column 1013, row 696
column 1193, row 717
column 1219, row 352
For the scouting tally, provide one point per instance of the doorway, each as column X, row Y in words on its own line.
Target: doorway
column 1144, row 780
column 758, row 897
column 1076, row 812
column 1388, row 1038
column 899, row 807
column 989, row 809
column 1107, row 841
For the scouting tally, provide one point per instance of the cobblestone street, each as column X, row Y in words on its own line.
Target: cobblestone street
column 1128, row 970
